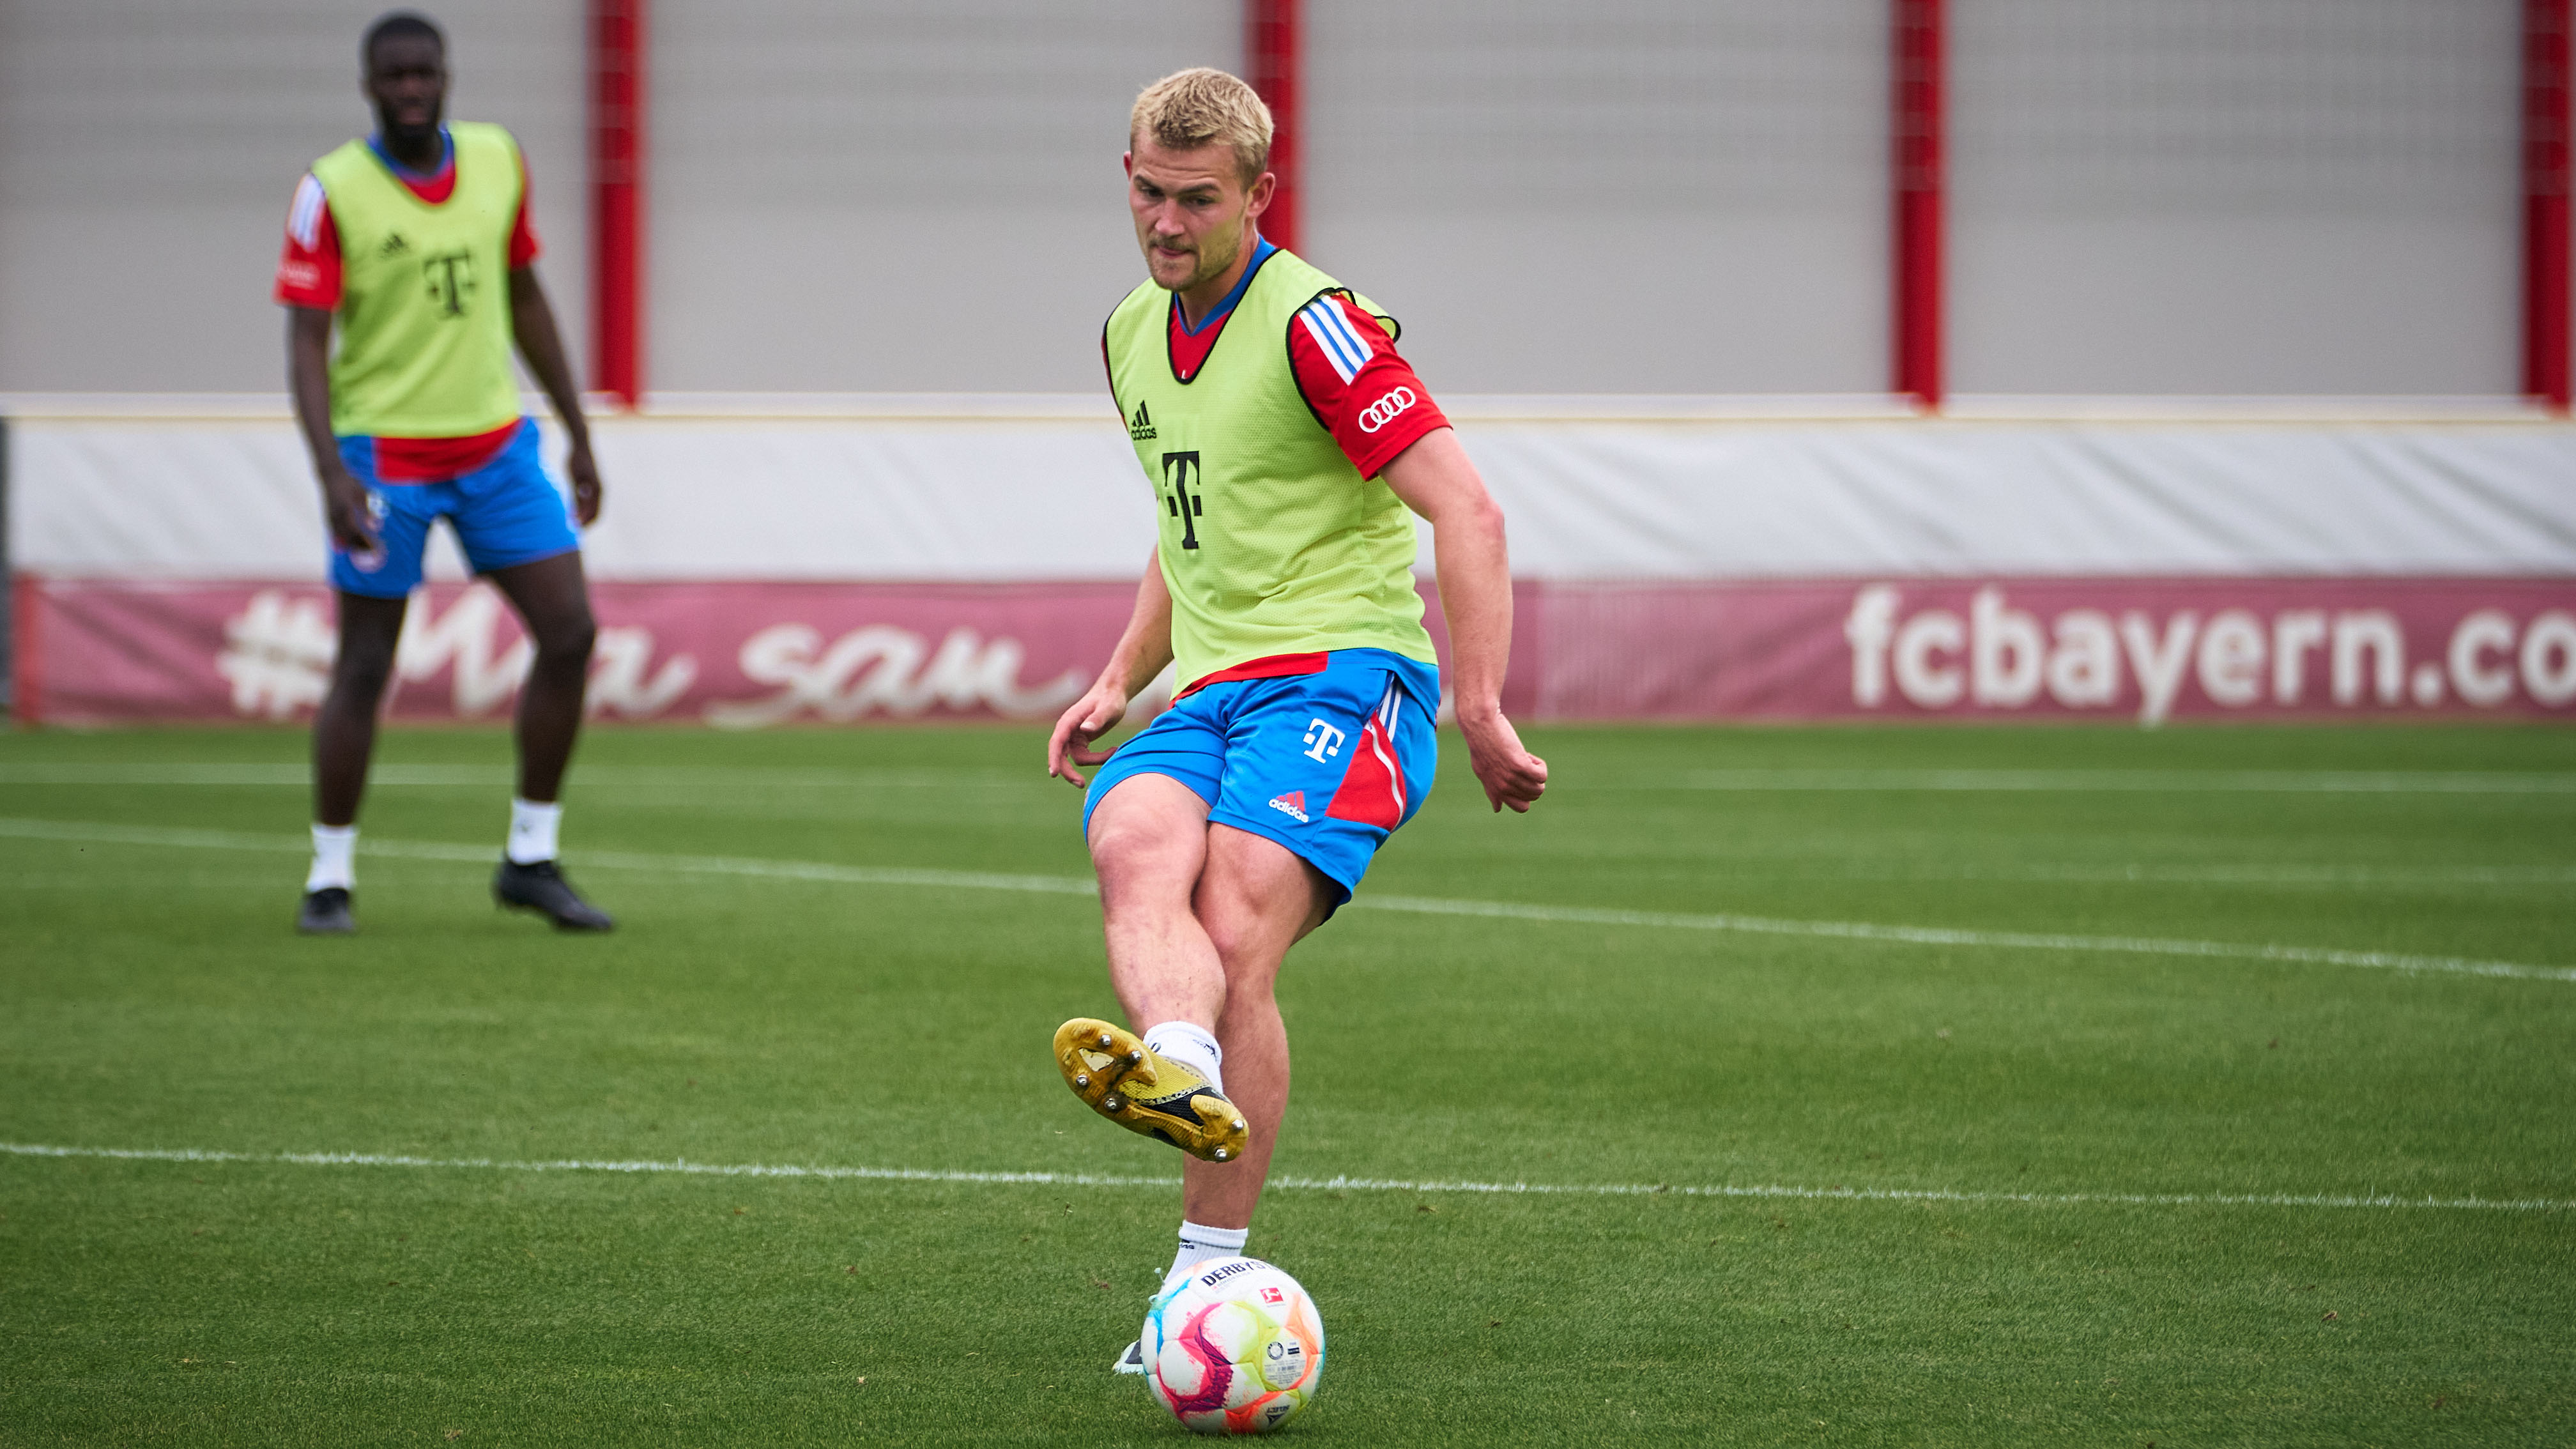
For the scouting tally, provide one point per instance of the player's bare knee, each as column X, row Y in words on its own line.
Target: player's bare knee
column 1231, row 928
column 567, row 642
column 360, row 672
column 1136, row 862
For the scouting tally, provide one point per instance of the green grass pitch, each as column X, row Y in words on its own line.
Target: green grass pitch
column 2043, row 1172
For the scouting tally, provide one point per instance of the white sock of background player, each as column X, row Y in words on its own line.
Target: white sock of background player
column 532, row 831
column 335, row 863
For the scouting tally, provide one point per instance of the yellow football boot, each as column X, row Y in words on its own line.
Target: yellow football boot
column 1113, row 1071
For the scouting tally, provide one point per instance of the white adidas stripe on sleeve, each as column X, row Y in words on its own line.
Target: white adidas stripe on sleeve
column 1333, row 333
column 1338, row 318
column 304, row 219
column 1330, row 345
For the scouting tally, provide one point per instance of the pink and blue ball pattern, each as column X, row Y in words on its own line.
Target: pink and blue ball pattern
column 1236, row 1348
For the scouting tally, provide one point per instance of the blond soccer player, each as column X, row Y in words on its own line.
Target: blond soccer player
column 1288, row 447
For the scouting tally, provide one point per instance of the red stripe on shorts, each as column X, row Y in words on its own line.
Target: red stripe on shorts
column 1277, row 666
column 440, row 460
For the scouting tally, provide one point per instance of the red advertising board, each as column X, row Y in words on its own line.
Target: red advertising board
column 753, row 654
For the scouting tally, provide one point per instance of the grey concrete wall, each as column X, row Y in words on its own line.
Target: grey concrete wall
column 1624, row 196
column 900, row 195
column 2148, row 196
column 149, row 148
column 2235, row 196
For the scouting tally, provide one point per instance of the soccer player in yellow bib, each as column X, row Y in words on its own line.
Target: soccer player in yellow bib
column 416, row 242
column 1287, row 446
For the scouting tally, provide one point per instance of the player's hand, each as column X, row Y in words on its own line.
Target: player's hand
column 346, row 514
column 1087, row 719
column 1511, row 775
column 585, row 483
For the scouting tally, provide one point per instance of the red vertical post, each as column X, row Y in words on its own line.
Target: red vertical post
column 1270, row 48
column 617, row 198
column 26, row 651
column 2545, row 176
column 1916, row 155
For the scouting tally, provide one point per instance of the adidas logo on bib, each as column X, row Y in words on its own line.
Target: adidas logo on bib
column 1293, row 803
column 1141, row 426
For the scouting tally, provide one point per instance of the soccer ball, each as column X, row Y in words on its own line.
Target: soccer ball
column 1235, row 1348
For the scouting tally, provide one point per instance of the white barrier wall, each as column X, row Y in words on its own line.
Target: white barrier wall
column 977, row 556
column 1047, row 488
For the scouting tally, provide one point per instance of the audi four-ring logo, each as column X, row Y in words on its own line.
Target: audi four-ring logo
column 1383, row 411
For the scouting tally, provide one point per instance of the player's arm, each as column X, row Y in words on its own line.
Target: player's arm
column 1385, row 422
column 308, row 377
column 308, row 287
column 1143, row 651
column 1435, row 479
column 532, row 325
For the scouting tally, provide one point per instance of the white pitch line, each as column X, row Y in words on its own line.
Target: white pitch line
column 1415, row 905
column 2248, row 875
column 683, row 1167
column 807, row 870
column 34, row 772
column 2298, row 875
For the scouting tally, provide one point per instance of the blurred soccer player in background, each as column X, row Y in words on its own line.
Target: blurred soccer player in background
column 1284, row 439
column 417, row 240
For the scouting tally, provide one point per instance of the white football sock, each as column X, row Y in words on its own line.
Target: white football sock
column 532, row 832
column 1192, row 1046
column 1204, row 1245
column 335, row 851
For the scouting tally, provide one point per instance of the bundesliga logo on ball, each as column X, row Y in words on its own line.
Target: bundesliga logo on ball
column 1235, row 1348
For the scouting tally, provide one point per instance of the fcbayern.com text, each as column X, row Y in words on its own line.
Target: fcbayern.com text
column 2205, row 649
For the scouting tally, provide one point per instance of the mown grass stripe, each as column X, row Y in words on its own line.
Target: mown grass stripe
column 2222, row 782
column 2259, row 782
column 1981, row 940
column 828, row 873
column 683, row 1167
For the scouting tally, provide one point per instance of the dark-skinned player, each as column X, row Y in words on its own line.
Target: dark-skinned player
column 414, row 245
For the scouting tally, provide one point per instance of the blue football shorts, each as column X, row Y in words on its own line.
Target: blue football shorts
column 1327, row 764
column 506, row 512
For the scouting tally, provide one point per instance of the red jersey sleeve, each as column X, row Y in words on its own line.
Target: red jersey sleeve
column 1362, row 392
column 308, row 273
column 523, row 233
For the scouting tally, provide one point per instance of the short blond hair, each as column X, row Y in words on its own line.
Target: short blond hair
column 1203, row 106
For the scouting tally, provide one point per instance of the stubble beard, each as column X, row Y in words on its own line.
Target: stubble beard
column 1209, row 263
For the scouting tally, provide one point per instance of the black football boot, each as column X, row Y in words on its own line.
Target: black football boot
column 541, row 887
column 326, row 913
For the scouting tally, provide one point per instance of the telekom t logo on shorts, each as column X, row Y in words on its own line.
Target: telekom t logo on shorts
column 1382, row 412
column 1323, row 741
